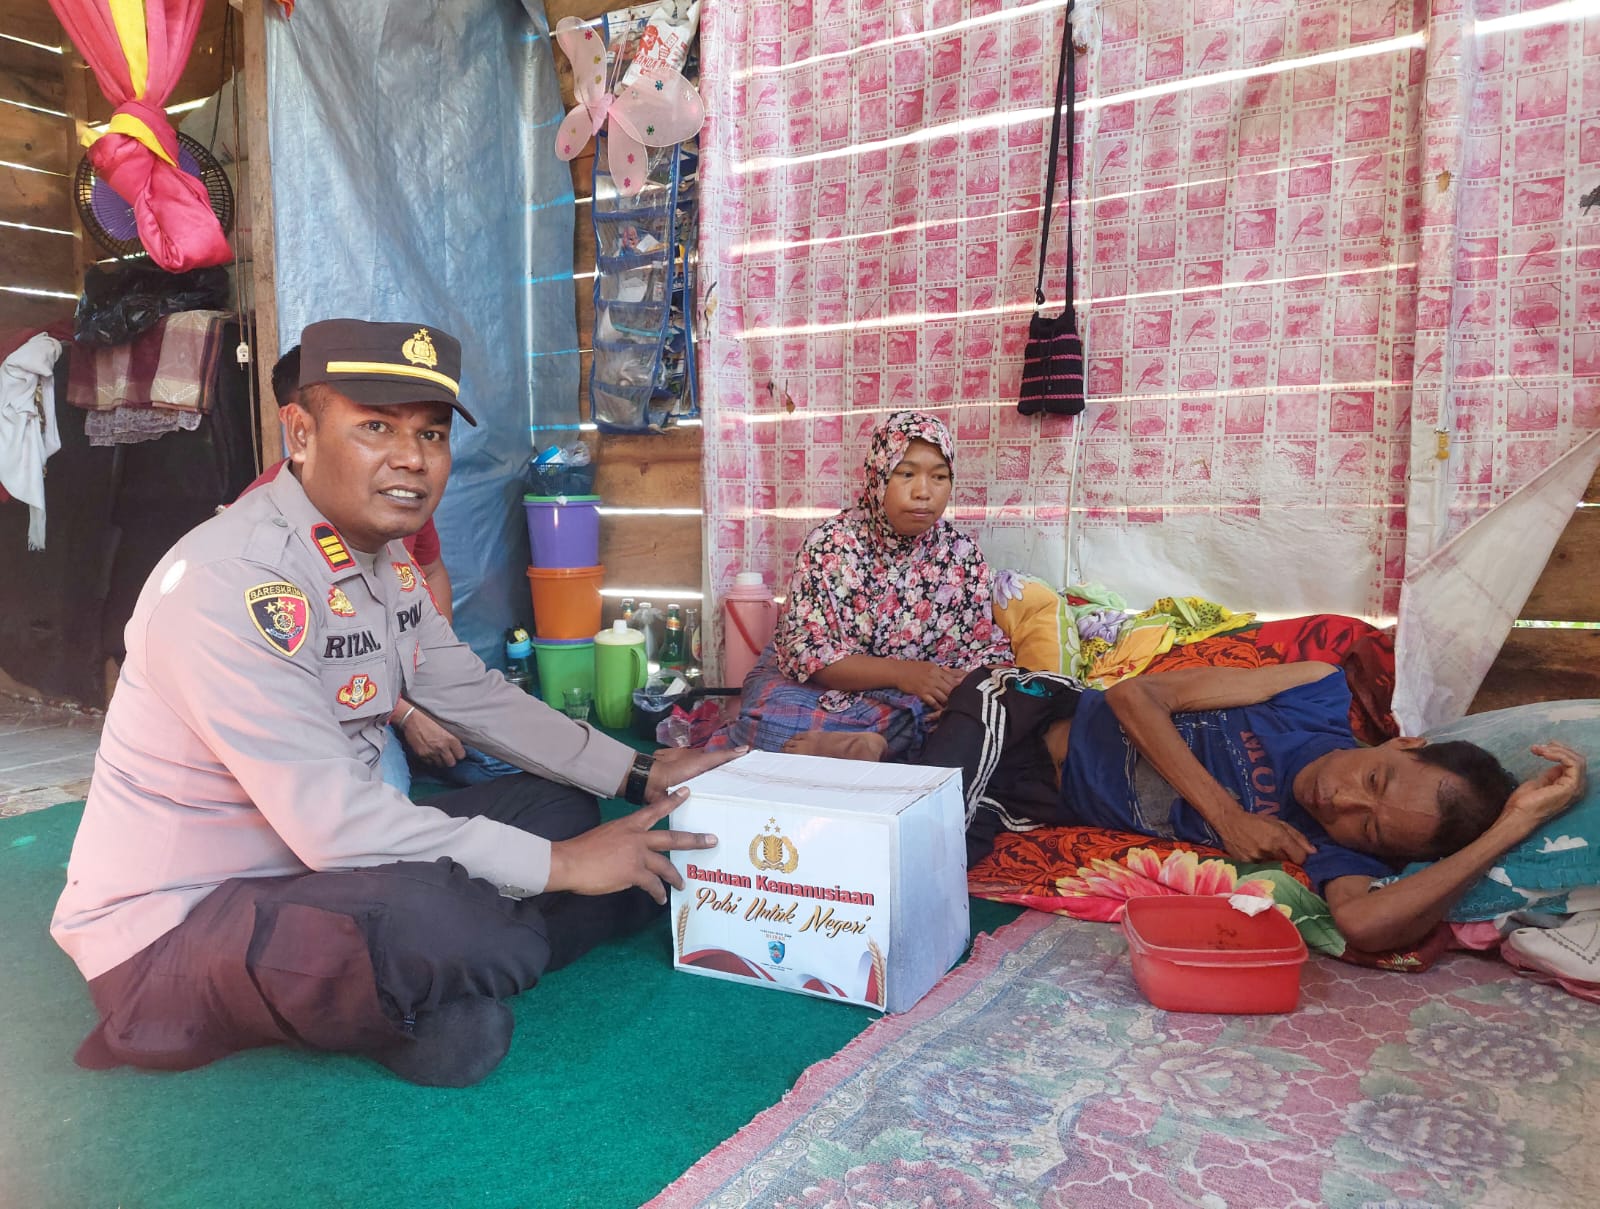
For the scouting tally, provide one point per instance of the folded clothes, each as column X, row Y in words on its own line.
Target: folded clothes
column 173, row 365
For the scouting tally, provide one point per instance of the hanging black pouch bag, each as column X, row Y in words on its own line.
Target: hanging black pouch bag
column 1052, row 363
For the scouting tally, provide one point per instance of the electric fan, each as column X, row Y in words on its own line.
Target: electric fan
column 110, row 219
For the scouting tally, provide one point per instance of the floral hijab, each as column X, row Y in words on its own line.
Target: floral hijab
column 860, row 588
column 890, row 440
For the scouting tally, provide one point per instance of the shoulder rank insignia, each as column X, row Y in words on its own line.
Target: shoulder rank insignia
column 280, row 612
column 339, row 603
column 333, row 549
column 407, row 575
column 357, row 691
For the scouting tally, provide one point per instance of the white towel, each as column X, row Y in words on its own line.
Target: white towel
column 28, row 434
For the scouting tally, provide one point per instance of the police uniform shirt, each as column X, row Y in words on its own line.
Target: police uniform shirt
column 244, row 734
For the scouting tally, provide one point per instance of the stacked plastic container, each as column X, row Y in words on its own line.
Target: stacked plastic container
column 564, row 580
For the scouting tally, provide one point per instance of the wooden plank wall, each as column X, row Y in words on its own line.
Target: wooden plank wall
column 37, row 135
column 47, row 94
column 662, row 555
column 1555, row 664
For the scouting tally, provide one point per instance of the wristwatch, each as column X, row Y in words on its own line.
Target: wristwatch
column 638, row 779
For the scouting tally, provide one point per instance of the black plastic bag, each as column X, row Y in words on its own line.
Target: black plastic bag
column 120, row 303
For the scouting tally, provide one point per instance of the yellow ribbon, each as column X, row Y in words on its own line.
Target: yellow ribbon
column 126, row 123
column 128, row 17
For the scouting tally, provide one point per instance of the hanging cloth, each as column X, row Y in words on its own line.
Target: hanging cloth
column 1052, row 363
column 138, row 51
column 28, row 433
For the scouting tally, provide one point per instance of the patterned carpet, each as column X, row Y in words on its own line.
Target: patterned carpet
column 1037, row 1076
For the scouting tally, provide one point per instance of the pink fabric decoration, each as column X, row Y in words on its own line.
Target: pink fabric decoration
column 171, row 208
column 659, row 109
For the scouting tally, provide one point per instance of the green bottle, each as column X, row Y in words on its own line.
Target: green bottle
column 673, row 655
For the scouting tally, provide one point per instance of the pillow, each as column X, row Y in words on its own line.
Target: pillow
column 1042, row 630
column 1557, row 868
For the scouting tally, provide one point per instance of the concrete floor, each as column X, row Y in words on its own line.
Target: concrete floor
column 46, row 754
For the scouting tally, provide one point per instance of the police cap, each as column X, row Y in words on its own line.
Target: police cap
column 383, row 364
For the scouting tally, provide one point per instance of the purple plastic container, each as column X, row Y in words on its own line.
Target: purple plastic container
column 563, row 531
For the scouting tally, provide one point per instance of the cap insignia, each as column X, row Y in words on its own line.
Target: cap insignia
column 419, row 349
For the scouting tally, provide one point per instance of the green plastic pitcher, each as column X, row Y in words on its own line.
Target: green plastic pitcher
column 619, row 668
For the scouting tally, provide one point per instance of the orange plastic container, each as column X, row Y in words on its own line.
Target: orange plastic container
column 1198, row 954
column 566, row 601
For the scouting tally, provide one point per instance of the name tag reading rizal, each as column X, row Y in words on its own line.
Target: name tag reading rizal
column 835, row 878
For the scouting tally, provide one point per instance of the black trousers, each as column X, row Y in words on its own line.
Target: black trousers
column 347, row 961
column 993, row 729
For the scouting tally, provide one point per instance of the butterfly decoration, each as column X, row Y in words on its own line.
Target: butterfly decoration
column 658, row 109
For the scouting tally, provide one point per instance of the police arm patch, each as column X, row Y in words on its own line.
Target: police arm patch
column 280, row 613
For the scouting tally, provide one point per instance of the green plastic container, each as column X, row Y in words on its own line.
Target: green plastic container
column 563, row 664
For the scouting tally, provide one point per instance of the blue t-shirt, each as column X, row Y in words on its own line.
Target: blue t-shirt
column 1254, row 751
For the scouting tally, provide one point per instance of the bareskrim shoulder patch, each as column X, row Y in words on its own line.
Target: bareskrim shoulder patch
column 334, row 551
column 280, row 612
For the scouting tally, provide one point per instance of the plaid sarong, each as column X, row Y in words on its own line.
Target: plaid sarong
column 774, row 709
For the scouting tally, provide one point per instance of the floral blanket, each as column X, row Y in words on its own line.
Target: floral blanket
column 1037, row 1077
column 1090, row 872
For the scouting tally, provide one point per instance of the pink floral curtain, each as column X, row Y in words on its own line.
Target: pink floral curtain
column 137, row 50
column 1320, row 244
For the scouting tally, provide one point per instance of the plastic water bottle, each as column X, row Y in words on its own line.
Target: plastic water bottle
column 647, row 620
column 519, row 659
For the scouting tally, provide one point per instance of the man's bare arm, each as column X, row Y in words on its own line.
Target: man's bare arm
column 1144, row 706
column 1405, row 911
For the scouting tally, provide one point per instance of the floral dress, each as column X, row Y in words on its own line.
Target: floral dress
column 860, row 588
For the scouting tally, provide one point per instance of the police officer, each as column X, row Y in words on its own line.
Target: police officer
column 242, row 875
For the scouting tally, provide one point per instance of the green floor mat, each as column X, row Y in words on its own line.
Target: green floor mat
column 622, row 1074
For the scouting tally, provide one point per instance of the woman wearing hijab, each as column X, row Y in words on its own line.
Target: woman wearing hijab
column 888, row 608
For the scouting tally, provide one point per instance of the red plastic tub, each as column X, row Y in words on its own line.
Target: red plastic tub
column 1198, row 954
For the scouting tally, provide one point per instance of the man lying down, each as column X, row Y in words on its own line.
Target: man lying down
column 1260, row 762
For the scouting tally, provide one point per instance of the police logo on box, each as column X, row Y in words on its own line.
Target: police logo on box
column 279, row 611
column 771, row 849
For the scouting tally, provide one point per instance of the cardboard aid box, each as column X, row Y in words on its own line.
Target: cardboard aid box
column 836, row 878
